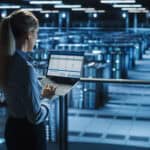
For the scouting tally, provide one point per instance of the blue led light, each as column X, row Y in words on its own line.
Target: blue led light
column 95, row 15
column 2, row 140
column 46, row 15
column 4, row 14
column 63, row 15
column 124, row 15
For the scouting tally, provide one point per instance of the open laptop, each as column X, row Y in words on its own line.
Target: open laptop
column 63, row 72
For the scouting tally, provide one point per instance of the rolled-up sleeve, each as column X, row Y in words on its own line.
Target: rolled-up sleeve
column 36, row 110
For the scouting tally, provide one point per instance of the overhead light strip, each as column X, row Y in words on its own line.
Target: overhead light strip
column 67, row 6
column 82, row 9
column 32, row 9
column 10, row 7
column 127, row 5
column 45, row 2
column 95, row 11
column 49, row 11
column 132, row 9
column 117, row 1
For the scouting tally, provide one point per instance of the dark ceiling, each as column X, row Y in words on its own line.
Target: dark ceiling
column 85, row 3
column 111, row 15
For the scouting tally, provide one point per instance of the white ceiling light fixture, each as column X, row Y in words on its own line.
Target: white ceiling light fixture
column 138, row 11
column 67, row 6
column 117, row 1
column 49, row 11
column 32, row 9
column 45, row 2
column 101, row 11
column 95, row 11
column 132, row 9
column 127, row 5
column 10, row 7
column 83, row 9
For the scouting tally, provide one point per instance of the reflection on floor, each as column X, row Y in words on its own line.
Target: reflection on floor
column 124, row 120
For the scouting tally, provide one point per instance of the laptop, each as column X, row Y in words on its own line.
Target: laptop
column 63, row 72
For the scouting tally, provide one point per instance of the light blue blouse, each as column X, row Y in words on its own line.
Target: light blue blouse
column 24, row 91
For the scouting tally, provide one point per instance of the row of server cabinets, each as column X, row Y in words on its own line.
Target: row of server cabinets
column 105, row 64
column 101, row 61
column 86, row 95
column 106, row 61
column 111, row 61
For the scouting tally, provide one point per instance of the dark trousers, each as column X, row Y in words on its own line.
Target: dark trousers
column 20, row 134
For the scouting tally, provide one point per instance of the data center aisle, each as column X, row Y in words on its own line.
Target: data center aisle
column 142, row 69
column 122, row 124
column 124, row 120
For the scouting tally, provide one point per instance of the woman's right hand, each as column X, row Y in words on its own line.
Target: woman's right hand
column 48, row 91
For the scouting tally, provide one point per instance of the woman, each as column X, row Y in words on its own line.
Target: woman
column 26, row 112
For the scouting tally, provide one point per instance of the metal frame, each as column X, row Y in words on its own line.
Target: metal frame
column 115, row 80
column 63, row 123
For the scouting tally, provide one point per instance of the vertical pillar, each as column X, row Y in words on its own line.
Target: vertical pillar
column 89, row 19
column 135, row 22
column 60, row 22
column 127, row 22
column 67, row 21
column 147, row 16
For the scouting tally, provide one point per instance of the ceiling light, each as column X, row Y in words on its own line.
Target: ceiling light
column 82, row 9
column 136, row 9
column 32, row 9
column 127, row 5
column 10, row 7
column 49, row 11
column 45, row 2
column 117, row 1
column 95, row 11
column 67, row 6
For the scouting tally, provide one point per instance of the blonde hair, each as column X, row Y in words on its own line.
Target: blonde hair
column 13, row 28
column 7, row 39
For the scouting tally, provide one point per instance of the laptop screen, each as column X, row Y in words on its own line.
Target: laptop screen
column 69, row 66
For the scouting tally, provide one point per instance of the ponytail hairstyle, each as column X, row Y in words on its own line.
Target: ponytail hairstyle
column 7, row 39
column 13, row 28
